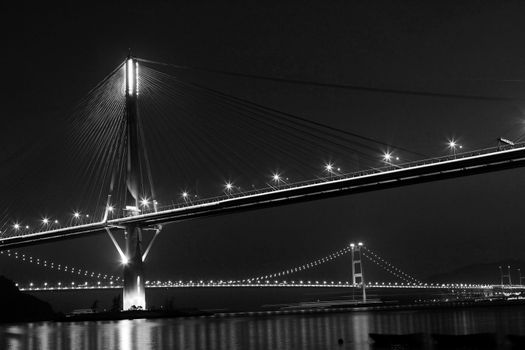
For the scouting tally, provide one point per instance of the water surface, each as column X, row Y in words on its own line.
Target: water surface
column 305, row 331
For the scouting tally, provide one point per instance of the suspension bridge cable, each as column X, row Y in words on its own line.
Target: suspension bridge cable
column 299, row 268
column 50, row 265
column 277, row 125
column 295, row 117
column 84, row 145
column 217, row 124
column 296, row 130
column 388, row 267
column 341, row 86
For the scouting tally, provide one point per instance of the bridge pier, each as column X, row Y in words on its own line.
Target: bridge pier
column 134, row 292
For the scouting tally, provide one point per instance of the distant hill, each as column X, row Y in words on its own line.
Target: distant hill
column 16, row 306
column 481, row 273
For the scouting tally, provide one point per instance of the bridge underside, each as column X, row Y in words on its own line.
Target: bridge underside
column 375, row 180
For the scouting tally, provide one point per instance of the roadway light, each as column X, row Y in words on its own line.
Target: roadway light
column 56, row 221
column 124, row 260
column 16, row 226
column 184, row 194
column 27, row 227
column 329, row 167
column 144, row 202
column 111, row 208
column 387, row 157
column 453, row 145
column 276, row 177
column 228, row 186
column 45, row 221
column 76, row 215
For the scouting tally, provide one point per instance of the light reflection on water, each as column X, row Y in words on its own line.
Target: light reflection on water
column 306, row 331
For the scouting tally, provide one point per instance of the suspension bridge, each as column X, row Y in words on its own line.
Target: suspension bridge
column 110, row 128
column 275, row 280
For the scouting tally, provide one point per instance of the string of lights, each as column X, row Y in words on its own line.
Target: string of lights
column 58, row 267
column 302, row 267
column 388, row 269
column 391, row 266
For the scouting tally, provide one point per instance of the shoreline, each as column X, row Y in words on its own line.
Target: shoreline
column 189, row 313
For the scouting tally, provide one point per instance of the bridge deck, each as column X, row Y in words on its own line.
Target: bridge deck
column 281, row 284
column 477, row 162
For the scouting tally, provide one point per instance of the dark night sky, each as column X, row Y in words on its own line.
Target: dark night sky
column 51, row 56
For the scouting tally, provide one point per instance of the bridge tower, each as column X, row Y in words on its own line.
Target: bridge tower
column 133, row 257
column 506, row 276
column 358, row 274
column 134, row 293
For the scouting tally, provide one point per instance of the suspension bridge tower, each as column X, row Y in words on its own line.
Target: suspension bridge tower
column 358, row 274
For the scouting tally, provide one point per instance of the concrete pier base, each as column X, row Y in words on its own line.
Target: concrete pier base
column 134, row 292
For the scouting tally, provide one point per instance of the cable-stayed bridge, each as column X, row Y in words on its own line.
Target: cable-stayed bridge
column 110, row 128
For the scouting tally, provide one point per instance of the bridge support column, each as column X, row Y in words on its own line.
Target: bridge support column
column 134, row 292
column 357, row 267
